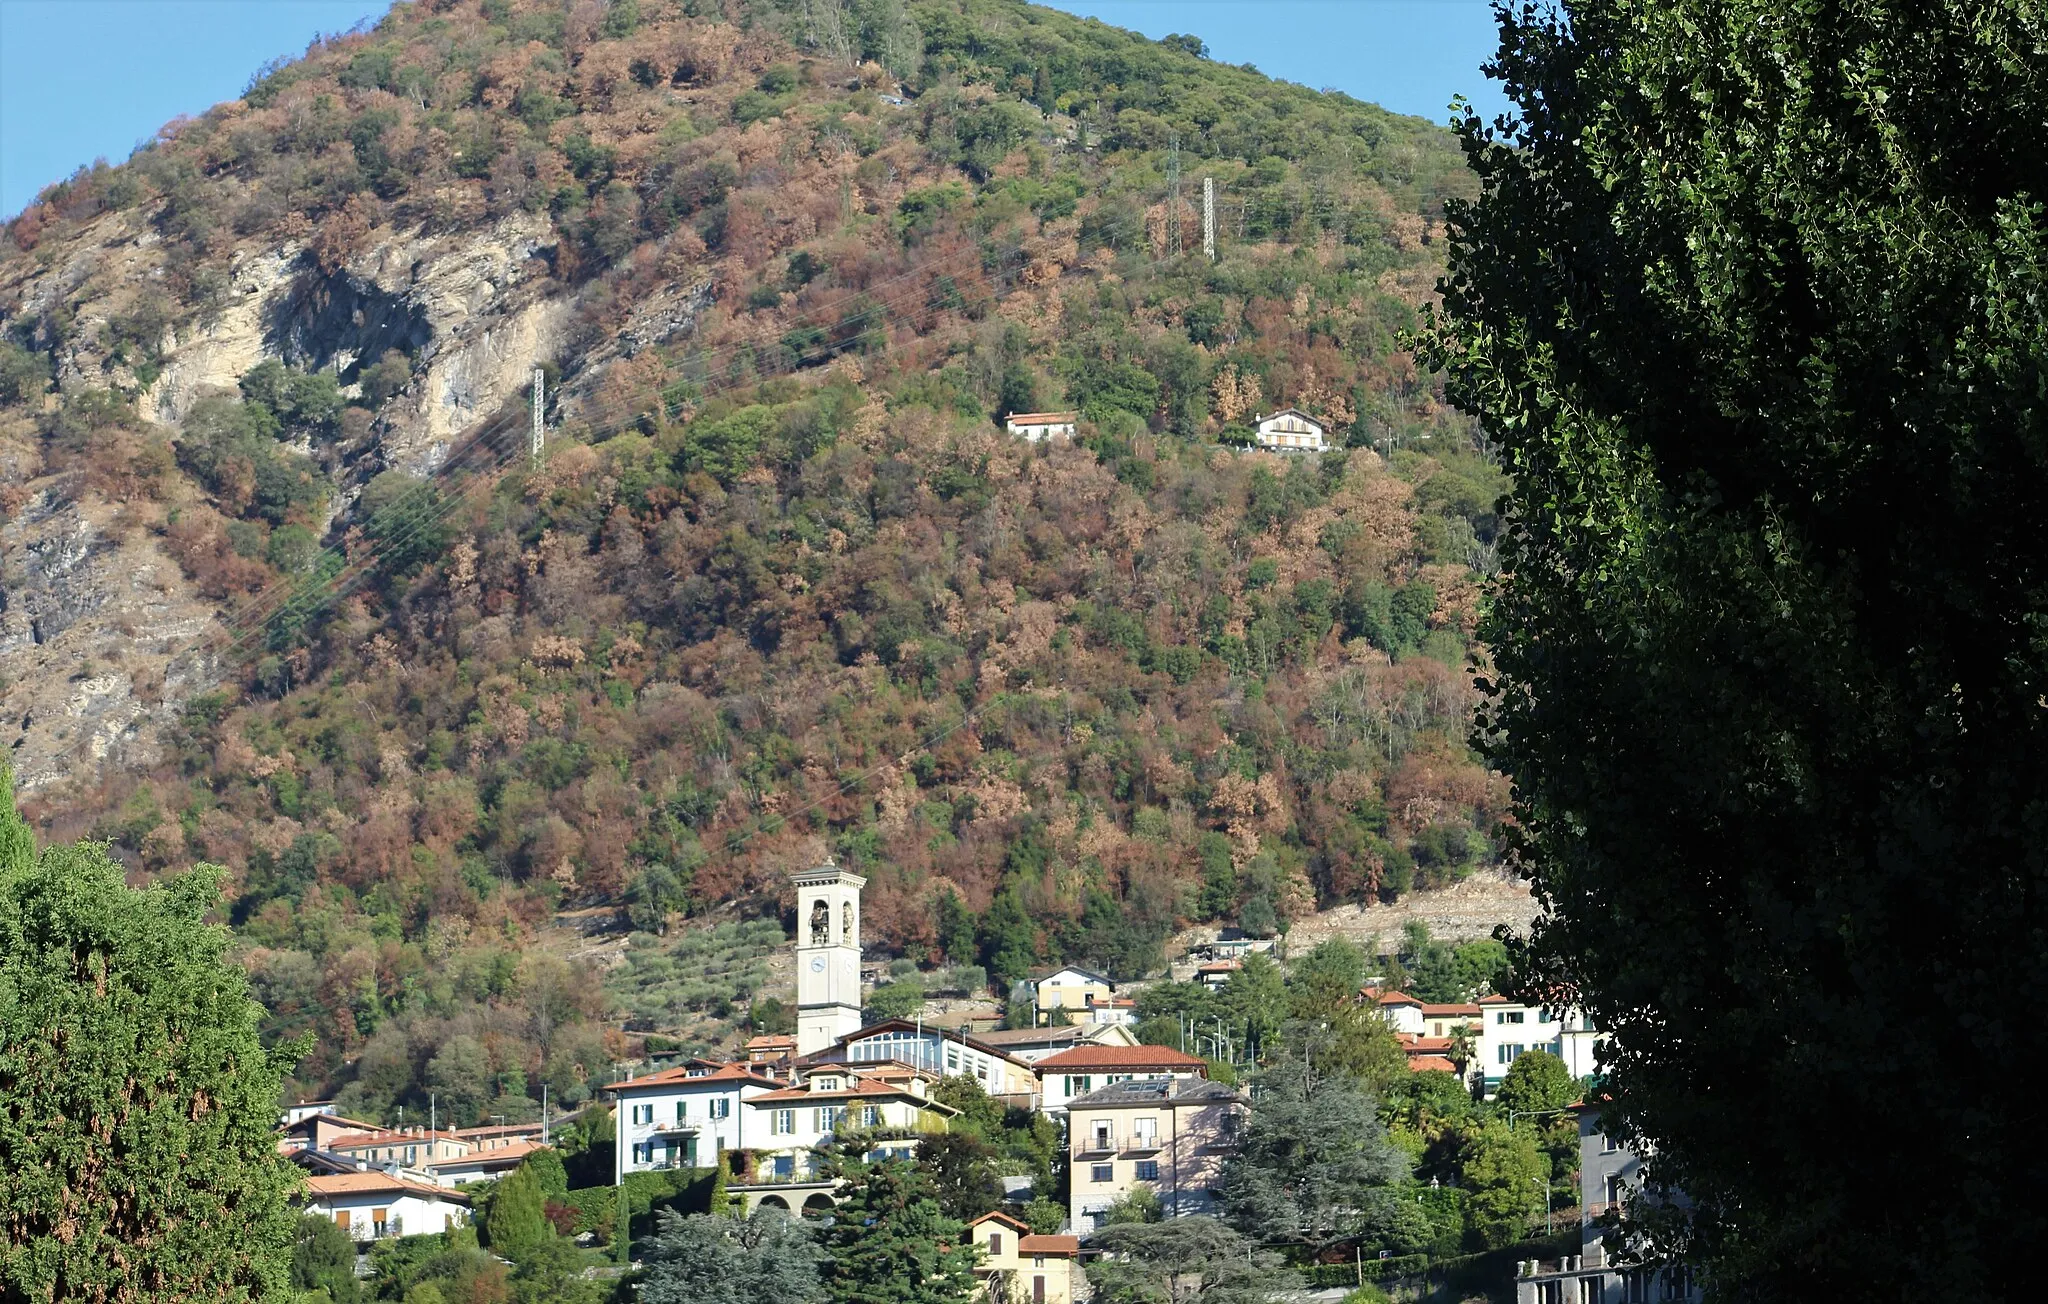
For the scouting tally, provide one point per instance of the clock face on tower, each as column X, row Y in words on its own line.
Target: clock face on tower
column 817, row 964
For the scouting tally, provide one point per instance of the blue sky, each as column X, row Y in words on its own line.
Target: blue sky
column 83, row 79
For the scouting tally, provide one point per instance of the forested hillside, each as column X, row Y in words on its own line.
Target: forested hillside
column 782, row 585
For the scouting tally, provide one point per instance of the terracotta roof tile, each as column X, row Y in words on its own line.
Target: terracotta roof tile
column 1035, row 1244
column 1430, row 1064
column 333, row 1184
column 1121, row 1057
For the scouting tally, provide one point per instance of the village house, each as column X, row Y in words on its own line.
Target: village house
column 1040, row 426
column 1444, row 1020
column 1511, row 1029
column 1610, row 1175
column 1034, row 1044
column 1292, row 430
column 1170, row 1134
column 939, row 1052
column 319, row 1131
column 680, row 1117
column 495, row 1135
column 1236, row 944
column 411, row 1148
column 1400, row 1009
column 788, row 1124
column 1117, row 1011
column 1017, row 1265
column 1070, row 988
column 377, row 1206
column 1215, row 975
column 1084, row 1069
column 482, row 1165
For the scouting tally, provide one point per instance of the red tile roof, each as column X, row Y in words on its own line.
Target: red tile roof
column 334, row 1184
column 1495, row 1000
column 1449, row 1011
column 861, row 1087
column 997, row 1215
column 514, row 1153
column 681, row 1075
column 1419, row 1045
column 357, row 1140
column 1121, row 1057
column 1396, row 998
column 1048, row 1244
column 1430, row 1064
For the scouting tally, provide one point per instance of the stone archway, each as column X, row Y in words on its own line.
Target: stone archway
column 774, row 1202
column 819, row 1205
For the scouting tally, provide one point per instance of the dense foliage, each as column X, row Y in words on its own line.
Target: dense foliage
column 785, row 587
column 137, row 1160
column 1751, row 306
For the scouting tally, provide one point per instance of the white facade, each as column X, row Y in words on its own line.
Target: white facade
column 787, row 1126
column 1510, row 1029
column 1401, row 1010
column 828, row 995
column 1290, row 430
column 374, row 1206
column 1037, row 426
column 683, row 1117
column 941, row 1053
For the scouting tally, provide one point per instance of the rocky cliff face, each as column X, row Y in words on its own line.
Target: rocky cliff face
column 102, row 639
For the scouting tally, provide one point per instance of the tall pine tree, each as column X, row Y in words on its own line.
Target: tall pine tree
column 891, row 1243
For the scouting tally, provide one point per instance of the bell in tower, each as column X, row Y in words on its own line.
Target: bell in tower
column 828, row 995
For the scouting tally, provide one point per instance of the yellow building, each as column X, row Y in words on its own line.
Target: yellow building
column 1170, row 1134
column 1071, row 988
column 1018, row 1267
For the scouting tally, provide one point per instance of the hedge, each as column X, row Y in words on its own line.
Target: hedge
column 686, row 1190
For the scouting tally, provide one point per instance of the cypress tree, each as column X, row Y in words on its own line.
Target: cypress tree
column 138, row 1158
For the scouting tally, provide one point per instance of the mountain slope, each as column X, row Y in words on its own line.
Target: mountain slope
column 783, row 585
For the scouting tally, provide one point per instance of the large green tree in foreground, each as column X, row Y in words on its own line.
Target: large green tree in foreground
column 1752, row 305
column 137, row 1107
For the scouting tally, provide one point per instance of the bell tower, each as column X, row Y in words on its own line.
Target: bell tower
column 827, row 955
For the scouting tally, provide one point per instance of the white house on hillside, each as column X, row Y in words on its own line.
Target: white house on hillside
column 1510, row 1029
column 375, row 1206
column 1291, row 430
column 681, row 1117
column 1038, row 426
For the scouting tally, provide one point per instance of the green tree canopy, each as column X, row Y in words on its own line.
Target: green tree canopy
column 515, row 1223
column 137, row 1160
column 324, row 1258
column 1316, row 1165
column 1537, row 1080
column 764, row 1258
column 1750, row 304
column 891, row 1243
column 1181, row 1261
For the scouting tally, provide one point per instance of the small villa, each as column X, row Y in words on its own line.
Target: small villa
column 1291, row 430
column 1040, row 426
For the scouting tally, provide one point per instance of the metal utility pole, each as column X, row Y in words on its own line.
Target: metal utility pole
column 543, row 1113
column 1209, row 218
column 539, row 429
column 1173, row 249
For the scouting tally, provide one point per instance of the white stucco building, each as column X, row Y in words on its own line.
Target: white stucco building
column 1509, row 1029
column 1291, row 430
column 682, row 1117
column 377, row 1206
column 1037, row 426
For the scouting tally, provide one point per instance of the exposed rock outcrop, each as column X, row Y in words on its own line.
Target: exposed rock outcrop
column 102, row 640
